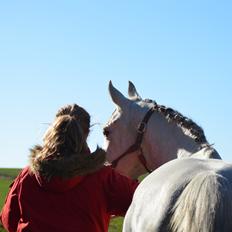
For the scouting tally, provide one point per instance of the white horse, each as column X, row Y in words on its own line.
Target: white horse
column 190, row 187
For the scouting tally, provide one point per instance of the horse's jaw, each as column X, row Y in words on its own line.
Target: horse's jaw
column 131, row 166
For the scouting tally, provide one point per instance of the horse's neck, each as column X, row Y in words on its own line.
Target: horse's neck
column 165, row 141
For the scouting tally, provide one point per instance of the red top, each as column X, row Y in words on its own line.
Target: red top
column 78, row 204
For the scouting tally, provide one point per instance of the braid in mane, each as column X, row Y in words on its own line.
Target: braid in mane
column 184, row 122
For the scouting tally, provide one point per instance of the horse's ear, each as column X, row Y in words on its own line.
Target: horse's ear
column 117, row 97
column 132, row 92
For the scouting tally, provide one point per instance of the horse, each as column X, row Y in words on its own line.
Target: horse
column 189, row 186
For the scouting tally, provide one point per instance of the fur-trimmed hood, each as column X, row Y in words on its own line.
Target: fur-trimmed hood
column 65, row 168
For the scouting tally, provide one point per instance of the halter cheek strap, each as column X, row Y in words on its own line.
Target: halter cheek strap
column 143, row 162
column 137, row 145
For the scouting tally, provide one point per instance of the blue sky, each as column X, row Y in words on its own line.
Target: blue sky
column 52, row 53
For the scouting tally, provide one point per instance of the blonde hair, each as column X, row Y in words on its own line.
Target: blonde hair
column 79, row 113
column 65, row 152
column 63, row 138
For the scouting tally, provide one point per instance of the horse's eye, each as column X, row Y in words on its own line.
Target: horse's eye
column 106, row 132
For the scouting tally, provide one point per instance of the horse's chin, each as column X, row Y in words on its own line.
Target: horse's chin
column 110, row 155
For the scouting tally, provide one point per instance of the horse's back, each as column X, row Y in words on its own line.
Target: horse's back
column 154, row 200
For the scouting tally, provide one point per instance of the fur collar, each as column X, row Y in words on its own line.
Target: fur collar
column 66, row 167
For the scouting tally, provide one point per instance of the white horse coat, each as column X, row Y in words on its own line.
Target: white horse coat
column 190, row 189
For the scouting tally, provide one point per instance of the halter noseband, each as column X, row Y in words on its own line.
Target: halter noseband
column 137, row 145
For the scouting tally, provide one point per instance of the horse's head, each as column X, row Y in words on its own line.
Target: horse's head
column 121, row 130
column 169, row 134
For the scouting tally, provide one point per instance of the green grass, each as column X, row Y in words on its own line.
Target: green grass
column 1, row 229
column 4, row 186
column 8, row 174
column 5, row 181
column 116, row 224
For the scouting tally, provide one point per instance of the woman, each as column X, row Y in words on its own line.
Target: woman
column 66, row 188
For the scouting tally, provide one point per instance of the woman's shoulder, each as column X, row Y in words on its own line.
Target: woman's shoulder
column 104, row 175
column 107, row 170
column 110, row 175
column 24, row 173
column 104, row 171
column 17, row 182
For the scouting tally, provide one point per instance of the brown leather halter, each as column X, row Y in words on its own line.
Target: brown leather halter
column 137, row 145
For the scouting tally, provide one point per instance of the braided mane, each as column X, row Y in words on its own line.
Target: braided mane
column 182, row 121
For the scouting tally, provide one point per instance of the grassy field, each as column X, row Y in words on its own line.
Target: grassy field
column 6, row 177
column 4, row 184
column 9, row 172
